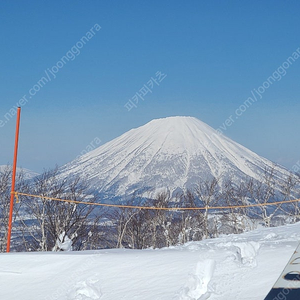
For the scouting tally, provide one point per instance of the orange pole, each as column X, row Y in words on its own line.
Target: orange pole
column 13, row 181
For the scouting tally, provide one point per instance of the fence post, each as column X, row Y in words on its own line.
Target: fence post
column 13, row 180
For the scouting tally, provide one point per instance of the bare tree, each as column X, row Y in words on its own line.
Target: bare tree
column 123, row 216
column 5, row 195
column 264, row 192
column 144, row 228
column 290, row 190
column 161, row 221
column 44, row 221
column 191, row 221
column 208, row 192
column 5, row 178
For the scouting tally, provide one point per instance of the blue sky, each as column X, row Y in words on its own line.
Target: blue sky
column 214, row 53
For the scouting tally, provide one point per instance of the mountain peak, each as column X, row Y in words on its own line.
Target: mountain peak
column 174, row 153
column 178, row 123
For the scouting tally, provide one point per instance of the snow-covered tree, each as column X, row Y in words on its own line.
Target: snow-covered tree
column 47, row 219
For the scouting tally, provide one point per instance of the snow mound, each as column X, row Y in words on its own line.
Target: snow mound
column 86, row 290
column 244, row 253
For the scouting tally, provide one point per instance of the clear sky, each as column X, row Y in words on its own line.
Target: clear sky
column 78, row 79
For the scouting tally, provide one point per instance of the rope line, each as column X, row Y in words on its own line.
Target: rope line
column 153, row 207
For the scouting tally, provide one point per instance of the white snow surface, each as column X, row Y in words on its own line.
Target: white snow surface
column 238, row 267
column 28, row 174
column 173, row 153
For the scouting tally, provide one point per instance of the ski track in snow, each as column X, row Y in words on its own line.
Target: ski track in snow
column 197, row 286
column 202, row 284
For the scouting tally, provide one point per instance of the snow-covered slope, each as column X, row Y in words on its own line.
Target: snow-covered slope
column 28, row 174
column 171, row 153
column 237, row 267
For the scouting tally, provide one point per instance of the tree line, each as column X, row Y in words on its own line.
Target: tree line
column 43, row 225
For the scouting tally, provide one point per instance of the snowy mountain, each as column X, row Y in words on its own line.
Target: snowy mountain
column 173, row 153
column 28, row 174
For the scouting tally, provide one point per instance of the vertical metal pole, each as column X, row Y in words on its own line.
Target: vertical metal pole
column 13, row 181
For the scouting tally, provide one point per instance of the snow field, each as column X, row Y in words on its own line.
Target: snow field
column 237, row 267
